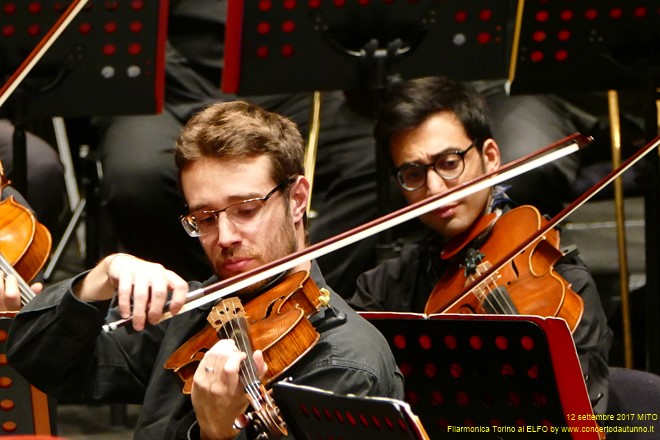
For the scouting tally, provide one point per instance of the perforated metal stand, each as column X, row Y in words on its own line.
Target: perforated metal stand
column 502, row 376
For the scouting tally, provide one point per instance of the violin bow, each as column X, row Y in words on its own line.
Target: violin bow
column 40, row 49
column 223, row 288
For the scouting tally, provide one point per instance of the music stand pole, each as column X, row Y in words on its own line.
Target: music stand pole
column 651, row 219
column 619, row 211
column 312, row 145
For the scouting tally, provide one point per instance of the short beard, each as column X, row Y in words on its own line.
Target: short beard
column 285, row 246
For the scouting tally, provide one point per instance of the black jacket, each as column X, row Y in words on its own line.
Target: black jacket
column 404, row 283
column 57, row 344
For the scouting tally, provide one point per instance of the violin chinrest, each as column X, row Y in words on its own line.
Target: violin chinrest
column 457, row 243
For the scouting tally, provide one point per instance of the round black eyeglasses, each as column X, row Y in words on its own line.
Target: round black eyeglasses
column 449, row 165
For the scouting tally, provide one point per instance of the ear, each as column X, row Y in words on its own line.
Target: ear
column 299, row 198
column 491, row 155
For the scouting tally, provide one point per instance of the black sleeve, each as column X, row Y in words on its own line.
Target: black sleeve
column 592, row 337
column 57, row 344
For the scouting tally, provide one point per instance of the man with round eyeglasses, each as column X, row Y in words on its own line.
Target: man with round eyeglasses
column 449, row 165
column 437, row 134
column 241, row 174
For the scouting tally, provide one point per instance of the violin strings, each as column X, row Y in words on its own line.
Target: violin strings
column 488, row 298
column 497, row 299
column 245, row 341
column 247, row 366
column 247, row 374
column 479, row 289
column 509, row 308
column 25, row 290
column 493, row 297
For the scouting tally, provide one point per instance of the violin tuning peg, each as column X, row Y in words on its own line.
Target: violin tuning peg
column 324, row 298
column 242, row 422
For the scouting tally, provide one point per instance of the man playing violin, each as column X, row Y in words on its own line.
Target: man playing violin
column 437, row 134
column 240, row 171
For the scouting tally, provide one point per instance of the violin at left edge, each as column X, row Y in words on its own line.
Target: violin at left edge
column 25, row 244
column 24, row 248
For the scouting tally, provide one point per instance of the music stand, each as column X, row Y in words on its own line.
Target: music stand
column 108, row 61
column 293, row 46
column 520, row 373
column 586, row 45
column 313, row 413
column 600, row 45
column 25, row 409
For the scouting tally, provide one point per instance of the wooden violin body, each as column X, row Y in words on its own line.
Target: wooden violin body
column 526, row 284
column 275, row 322
column 278, row 326
column 24, row 248
column 24, row 242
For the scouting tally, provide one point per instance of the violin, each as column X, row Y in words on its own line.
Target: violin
column 24, row 243
column 525, row 284
column 474, row 297
column 275, row 322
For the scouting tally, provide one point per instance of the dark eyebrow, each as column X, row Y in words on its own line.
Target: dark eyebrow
column 448, row 150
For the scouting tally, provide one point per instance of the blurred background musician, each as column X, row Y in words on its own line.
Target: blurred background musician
column 46, row 191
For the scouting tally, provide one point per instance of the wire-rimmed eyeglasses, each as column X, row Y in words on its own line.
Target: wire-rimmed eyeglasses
column 448, row 165
column 200, row 223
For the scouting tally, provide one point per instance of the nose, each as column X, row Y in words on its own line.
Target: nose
column 228, row 235
column 434, row 183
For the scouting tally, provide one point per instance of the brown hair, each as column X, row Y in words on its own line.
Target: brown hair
column 239, row 129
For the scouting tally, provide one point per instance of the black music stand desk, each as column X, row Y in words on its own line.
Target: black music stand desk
column 307, row 45
column 25, row 409
column 313, row 413
column 490, row 376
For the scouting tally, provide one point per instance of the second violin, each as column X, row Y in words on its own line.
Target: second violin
column 484, row 280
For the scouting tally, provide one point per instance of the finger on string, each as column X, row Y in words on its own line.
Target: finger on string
column 262, row 366
column 37, row 287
